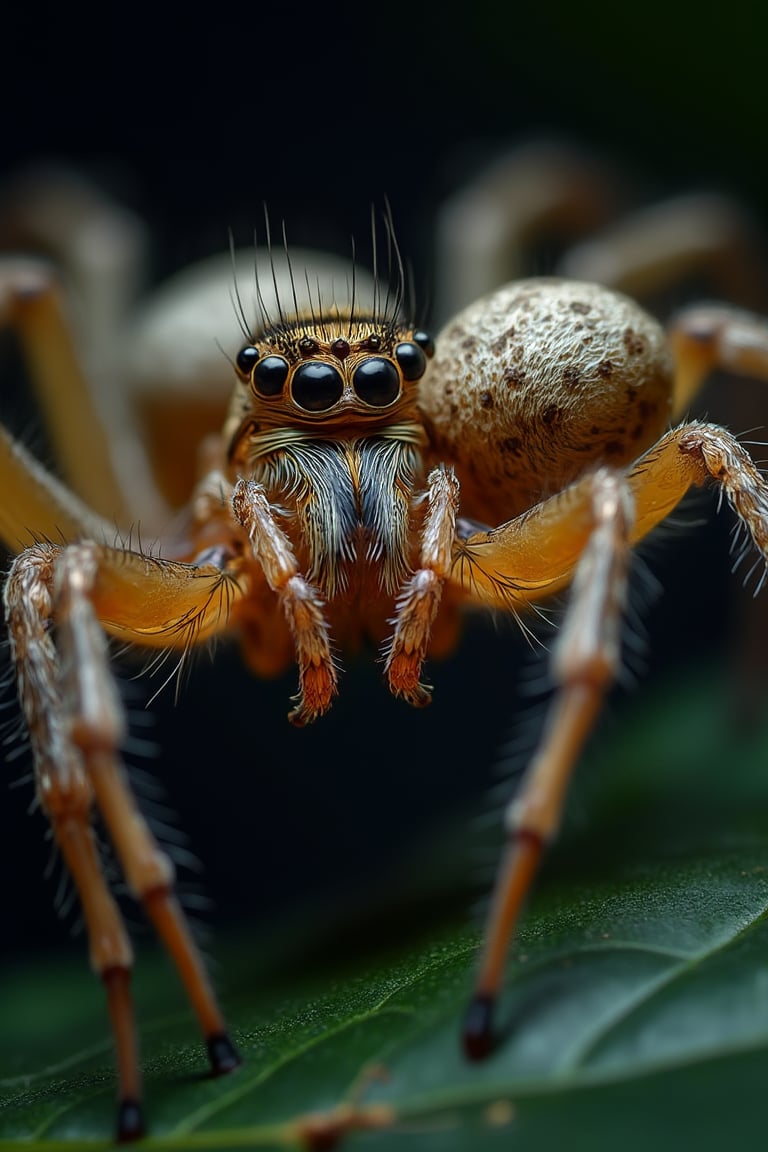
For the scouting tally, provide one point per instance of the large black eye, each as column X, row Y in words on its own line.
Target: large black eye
column 246, row 358
column 376, row 381
column 316, row 386
column 412, row 361
column 269, row 375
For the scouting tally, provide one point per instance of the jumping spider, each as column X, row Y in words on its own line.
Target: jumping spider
column 369, row 482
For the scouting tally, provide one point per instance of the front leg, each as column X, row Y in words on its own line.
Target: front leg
column 419, row 599
column 300, row 600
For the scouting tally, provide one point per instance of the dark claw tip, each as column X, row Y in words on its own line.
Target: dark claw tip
column 222, row 1054
column 130, row 1122
column 477, row 1037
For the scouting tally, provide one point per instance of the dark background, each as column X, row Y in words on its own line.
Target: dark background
column 195, row 119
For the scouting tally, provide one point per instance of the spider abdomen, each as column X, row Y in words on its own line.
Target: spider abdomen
column 538, row 382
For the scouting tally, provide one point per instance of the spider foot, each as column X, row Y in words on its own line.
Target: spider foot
column 130, row 1122
column 403, row 672
column 416, row 610
column 317, row 688
column 477, row 1036
column 222, row 1054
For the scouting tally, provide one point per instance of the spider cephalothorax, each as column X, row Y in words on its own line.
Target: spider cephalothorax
column 327, row 421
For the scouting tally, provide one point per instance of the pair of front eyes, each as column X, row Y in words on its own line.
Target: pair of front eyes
column 317, row 386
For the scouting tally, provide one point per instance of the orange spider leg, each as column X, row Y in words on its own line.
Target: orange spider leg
column 541, row 547
column 420, row 598
column 76, row 727
column 40, row 507
column 584, row 531
column 301, row 602
column 707, row 337
column 585, row 662
column 31, row 304
column 116, row 481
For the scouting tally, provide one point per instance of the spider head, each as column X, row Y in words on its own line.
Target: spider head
column 329, row 374
column 333, row 377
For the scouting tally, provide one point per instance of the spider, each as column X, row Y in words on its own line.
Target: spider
column 369, row 482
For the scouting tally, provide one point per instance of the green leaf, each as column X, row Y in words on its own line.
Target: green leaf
column 635, row 1013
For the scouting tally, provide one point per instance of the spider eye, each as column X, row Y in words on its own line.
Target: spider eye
column 376, row 382
column 425, row 342
column 246, row 358
column 269, row 375
column 308, row 346
column 412, row 361
column 316, row 386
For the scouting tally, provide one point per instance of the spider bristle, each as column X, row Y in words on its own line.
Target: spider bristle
column 234, row 294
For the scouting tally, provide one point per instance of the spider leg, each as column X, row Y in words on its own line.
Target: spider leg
column 585, row 662
column 76, row 726
column 115, row 481
column 301, row 602
column 698, row 236
column 66, row 796
column 706, row 337
column 534, row 555
column 420, row 598
column 585, row 530
column 40, row 505
column 487, row 231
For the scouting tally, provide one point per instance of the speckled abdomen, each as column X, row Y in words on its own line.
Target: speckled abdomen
column 539, row 382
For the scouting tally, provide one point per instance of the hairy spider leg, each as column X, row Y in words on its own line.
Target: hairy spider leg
column 301, row 602
column 76, row 726
column 585, row 662
column 560, row 537
column 582, row 533
column 76, row 593
column 419, row 598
